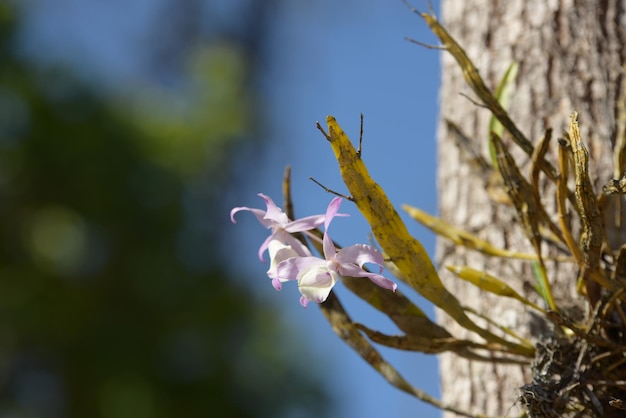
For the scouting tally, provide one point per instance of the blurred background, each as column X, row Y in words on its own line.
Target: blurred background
column 128, row 130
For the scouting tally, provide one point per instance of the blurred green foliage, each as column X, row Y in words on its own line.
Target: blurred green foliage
column 103, row 313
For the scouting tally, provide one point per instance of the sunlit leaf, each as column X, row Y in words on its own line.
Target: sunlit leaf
column 489, row 284
column 404, row 251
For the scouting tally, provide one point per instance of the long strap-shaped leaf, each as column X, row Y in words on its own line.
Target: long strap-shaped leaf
column 405, row 252
column 592, row 234
column 531, row 214
column 347, row 330
column 490, row 284
column 461, row 237
column 475, row 81
column 462, row 348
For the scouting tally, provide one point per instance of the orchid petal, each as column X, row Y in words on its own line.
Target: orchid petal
column 304, row 301
column 355, row 271
column 296, row 244
column 316, row 282
column 278, row 252
column 305, row 224
column 331, row 211
column 278, row 285
column 350, row 270
column 360, row 254
column 329, row 247
column 260, row 215
column 291, row 268
column 265, row 246
column 274, row 213
column 381, row 281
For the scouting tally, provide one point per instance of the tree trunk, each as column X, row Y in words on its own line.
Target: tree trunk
column 570, row 55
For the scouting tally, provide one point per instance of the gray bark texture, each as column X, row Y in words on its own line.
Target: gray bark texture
column 570, row 55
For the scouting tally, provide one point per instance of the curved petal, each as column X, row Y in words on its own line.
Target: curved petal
column 381, row 281
column 294, row 242
column 329, row 247
column 315, row 283
column 351, row 270
column 278, row 285
column 360, row 254
column 354, row 271
column 290, row 269
column 305, row 224
column 331, row 211
column 265, row 246
column 304, row 301
column 274, row 213
column 279, row 252
column 260, row 215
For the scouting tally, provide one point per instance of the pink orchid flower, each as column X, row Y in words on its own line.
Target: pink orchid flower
column 316, row 276
column 282, row 227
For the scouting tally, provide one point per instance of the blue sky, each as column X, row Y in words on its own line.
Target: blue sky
column 340, row 58
column 346, row 60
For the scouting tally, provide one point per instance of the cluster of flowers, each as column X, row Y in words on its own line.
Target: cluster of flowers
column 290, row 259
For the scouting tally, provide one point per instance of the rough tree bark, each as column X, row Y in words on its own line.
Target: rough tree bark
column 570, row 55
